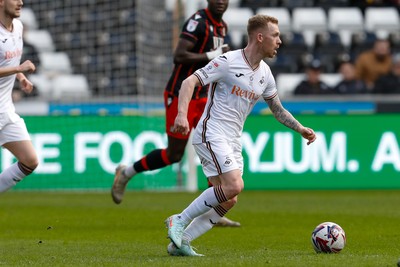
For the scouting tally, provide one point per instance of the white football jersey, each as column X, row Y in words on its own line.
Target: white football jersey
column 10, row 56
column 234, row 89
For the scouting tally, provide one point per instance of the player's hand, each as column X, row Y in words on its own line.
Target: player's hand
column 225, row 48
column 309, row 134
column 26, row 85
column 181, row 124
column 217, row 52
column 27, row 66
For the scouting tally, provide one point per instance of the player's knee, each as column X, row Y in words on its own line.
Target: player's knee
column 238, row 188
column 31, row 162
column 234, row 189
column 175, row 157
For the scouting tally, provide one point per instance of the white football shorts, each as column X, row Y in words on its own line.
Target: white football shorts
column 219, row 156
column 12, row 128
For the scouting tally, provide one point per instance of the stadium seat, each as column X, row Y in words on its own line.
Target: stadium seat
column 328, row 4
column 309, row 21
column 382, row 20
column 70, row 86
column 43, row 85
column 282, row 14
column 329, row 50
column 331, row 79
column 345, row 21
column 291, row 4
column 287, row 82
column 361, row 41
column 237, row 18
column 294, row 46
column 53, row 63
column 40, row 39
column 282, row 63
column 28, row 18
column 234, row 3
column 256, row 4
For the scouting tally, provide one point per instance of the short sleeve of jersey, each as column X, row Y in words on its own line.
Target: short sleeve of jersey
column 193, row 28
column 213, row 71
column 270, row 89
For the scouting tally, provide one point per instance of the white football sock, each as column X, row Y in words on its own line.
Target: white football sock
column 129, row 171
column 200, row 225
column 203, row 203
column 10, row 176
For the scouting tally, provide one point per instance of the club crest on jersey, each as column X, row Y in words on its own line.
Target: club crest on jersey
column 228, row 162
column 192, row 25
column 262, row 81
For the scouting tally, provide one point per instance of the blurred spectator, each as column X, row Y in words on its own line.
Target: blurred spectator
column 349, row 83
column 312, row 83
column 390, row 83
column 373, row 63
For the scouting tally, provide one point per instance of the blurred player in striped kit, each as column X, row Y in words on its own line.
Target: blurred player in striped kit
column 13, row 132
column 201, row 40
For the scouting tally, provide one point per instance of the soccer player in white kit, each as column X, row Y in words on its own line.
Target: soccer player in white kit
column 13, row 132
column 236, row 79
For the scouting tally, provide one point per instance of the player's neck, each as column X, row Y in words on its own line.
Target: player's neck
column 6, row 23
column 252, row 57
column 216, row 17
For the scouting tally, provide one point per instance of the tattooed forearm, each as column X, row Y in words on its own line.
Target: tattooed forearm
column 282, row 115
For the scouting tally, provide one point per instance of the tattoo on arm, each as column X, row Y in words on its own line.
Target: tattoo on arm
column 282, row 115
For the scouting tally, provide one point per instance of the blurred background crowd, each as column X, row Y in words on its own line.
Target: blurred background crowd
column 86, row 48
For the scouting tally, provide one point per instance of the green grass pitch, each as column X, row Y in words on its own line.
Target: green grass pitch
column 87, row 229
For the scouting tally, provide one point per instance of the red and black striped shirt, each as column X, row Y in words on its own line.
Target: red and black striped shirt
column 207, row 34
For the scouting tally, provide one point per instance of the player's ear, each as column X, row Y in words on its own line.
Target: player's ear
column 260, row 37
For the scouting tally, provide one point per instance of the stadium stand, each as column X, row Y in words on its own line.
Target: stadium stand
column 282, row 14
column 40, row 39
column 237, row 18
column 101, row 39
column 309, row 21
column 345, row 21
column 382, row 20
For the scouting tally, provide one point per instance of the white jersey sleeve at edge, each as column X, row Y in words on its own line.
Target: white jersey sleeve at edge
column 213, row 71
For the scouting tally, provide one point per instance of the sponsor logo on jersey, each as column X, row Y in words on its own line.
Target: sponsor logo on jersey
column 204, row 73
column 239, row 75
column 192, row 25
column 250, row 95
column 13, row 54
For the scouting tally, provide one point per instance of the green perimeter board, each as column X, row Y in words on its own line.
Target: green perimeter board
column 106, row 141
column 351, row 152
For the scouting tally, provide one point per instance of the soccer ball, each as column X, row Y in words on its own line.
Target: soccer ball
column 328, row 237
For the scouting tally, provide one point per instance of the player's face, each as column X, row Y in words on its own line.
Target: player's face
column 218, row 7
column 271, row 40
column 12, row 8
